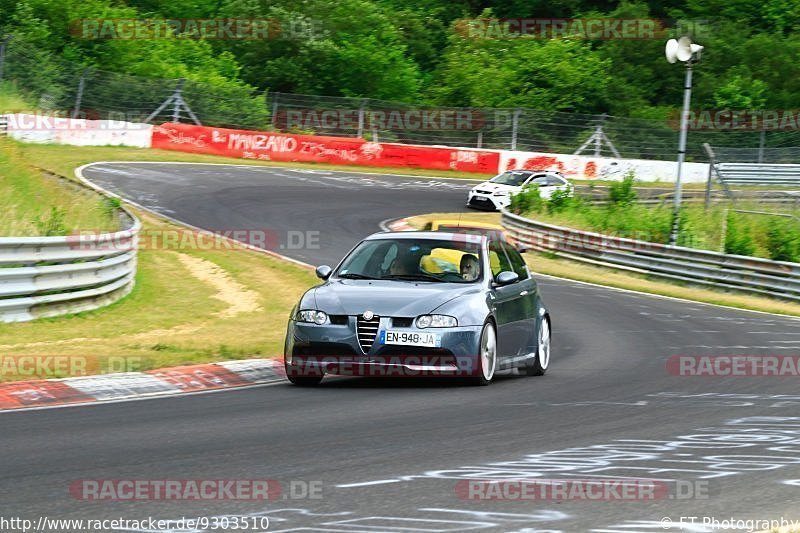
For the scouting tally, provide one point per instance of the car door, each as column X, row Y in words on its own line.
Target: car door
column 556, row 183
column 529, row 296
column 545, row 190
column 507, row 306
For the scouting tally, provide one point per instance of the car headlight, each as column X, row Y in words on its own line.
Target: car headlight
column 436, row 321
column 313, row 316
column 500, row 193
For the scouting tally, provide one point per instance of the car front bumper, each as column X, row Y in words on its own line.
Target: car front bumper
column 487, row 201
column 335, row 349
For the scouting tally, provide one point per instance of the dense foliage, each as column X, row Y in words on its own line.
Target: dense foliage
column 412, row 50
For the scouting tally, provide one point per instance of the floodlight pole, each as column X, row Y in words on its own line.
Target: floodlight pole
column 687, row 98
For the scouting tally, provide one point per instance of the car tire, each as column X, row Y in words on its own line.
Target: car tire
column 487, row 355
column 539, row 364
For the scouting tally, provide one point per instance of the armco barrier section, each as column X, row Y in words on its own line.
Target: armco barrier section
column 732, row 272
column 47, row 128
column 50, row 276
column 758, row 174
column 602, row 168
column 270, row 146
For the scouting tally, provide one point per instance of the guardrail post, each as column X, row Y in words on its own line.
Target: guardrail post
column 79, row 96
column 274, row 116
column 360, row 134
column 598, row 140
column 712, row 158
column 3, row 45
column 176, row 101
column 515, row 128
column 710, row 153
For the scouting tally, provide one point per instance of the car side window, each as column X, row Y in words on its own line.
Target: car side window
column 497, row 258
column 541, row 181
column 517, row 262
column 552, row 180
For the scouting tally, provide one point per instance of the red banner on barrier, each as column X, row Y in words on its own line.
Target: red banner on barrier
column 271, row 146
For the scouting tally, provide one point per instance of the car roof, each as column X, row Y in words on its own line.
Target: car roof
column 466, row 224
column 430, row 235
column 529, row 171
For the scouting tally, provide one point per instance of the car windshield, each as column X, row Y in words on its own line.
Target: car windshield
column 456, row 260
column 511, row 178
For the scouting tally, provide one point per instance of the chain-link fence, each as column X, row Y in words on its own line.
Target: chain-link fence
column 75, row 90
column 735, row 154
column 52, row 84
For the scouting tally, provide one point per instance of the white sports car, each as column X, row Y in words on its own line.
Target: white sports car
column 497, row 192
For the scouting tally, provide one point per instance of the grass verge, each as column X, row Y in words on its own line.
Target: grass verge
column 565, row 268
column 36, row 204
column 10, row 100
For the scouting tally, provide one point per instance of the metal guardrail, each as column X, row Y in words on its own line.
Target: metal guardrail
column 50, row 276
column 702, row 267
column 777, row 174
column 759, row 173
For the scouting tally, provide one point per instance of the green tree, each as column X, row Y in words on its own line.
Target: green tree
column 740, row 92
column 556, row 74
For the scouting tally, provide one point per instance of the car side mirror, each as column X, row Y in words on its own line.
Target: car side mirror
column 506, row 278
column 323, row 271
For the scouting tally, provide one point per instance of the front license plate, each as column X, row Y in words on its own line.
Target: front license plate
column 411, row 338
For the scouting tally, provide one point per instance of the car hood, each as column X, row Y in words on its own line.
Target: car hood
column 386, row 298
column 492, row 187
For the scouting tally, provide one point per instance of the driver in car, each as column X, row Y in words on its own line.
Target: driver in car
column 405, row 266
column 469, row 267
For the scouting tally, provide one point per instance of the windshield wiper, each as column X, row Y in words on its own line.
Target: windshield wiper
column 412, row 277
column 353, row 275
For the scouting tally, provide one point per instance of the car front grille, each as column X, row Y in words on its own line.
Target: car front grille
column 367, row 331
column 481, row 202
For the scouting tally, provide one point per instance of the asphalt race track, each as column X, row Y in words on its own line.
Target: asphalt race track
column 391, row 455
